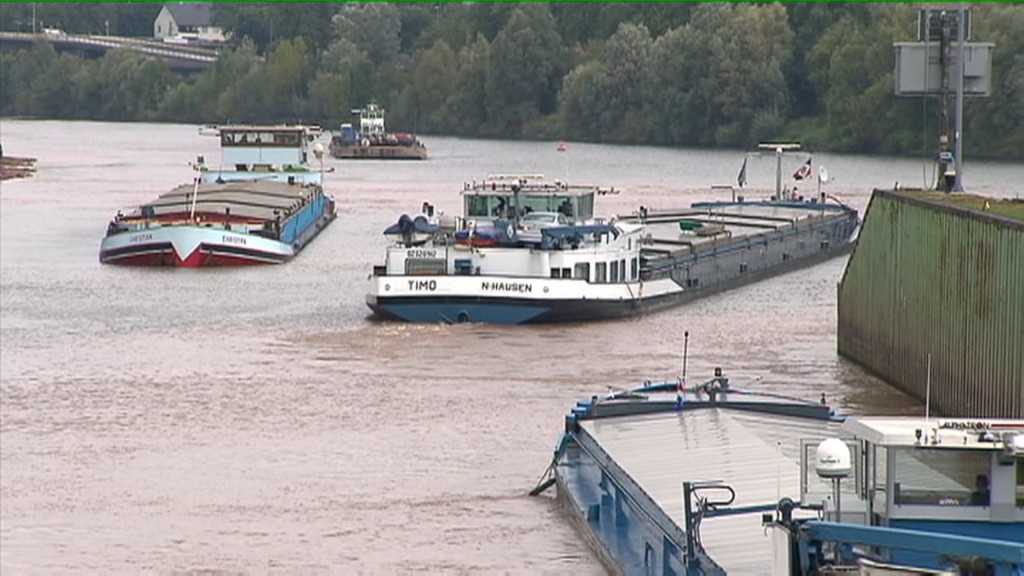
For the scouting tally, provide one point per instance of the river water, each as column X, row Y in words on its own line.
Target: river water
column 256, row 420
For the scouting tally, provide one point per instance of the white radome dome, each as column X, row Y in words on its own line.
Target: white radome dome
column 832, row 459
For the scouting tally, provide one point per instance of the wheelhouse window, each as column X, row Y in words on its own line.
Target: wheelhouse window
column 601, row 272
column 931, row 478
column 614, row 275
column 582, row 270
column 476, row 206
column 1020, row 481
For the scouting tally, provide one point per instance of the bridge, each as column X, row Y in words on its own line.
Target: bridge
column 178, row 57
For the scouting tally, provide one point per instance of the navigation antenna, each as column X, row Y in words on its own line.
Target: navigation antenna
column 686, row 340
column 780, row 148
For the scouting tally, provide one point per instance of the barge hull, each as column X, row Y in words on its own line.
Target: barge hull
column 378, row 152
column 510, row 310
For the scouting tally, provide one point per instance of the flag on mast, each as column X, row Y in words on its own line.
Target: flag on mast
column 803, row 171
column 742, row 178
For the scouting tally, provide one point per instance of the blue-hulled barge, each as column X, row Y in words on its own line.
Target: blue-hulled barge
column 713, row 479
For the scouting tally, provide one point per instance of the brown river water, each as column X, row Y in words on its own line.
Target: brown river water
column 257, row 421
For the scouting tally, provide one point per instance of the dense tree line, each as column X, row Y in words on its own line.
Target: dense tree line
column 676, row 74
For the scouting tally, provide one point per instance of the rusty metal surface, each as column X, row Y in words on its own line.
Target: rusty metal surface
column 929, row 280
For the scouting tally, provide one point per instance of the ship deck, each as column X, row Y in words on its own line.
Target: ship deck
column 253, row 200
column 725, row 223
column 649, row 454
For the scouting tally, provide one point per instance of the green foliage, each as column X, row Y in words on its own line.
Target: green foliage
column 606, row 99
column 677, row 74
column 524, row 70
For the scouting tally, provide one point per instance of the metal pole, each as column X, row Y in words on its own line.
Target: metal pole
column 195, row 192
column 778, row 173
column 688, row 520
column 959, row 134
column 686, row 341
column 837, row 496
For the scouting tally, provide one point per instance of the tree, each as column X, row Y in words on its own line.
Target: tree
column 372, row 28
column 853, row 75
column 1002, row 113
column 608, row 99
column 435, row 79
column 524, row 70
column 465, row 111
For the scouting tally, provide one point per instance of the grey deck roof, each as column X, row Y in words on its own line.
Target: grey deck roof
column 739, row 220
column 661, row 451
column 255, row 199
column 191, row 14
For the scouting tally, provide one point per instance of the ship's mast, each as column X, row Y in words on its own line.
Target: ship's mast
column 779, row 149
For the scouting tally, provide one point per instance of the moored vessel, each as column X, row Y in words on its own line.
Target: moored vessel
column 262, row 205
column 372, row 141
column 527, row 250
column 711, row 478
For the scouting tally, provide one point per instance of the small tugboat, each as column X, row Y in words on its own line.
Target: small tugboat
column 710, row 478
column 528, row 251
column 373, row 141
column 262, row 205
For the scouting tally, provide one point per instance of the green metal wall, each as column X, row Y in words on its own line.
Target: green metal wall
column 931, row 278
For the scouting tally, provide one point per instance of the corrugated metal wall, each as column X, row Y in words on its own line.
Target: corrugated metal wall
column 931, row 278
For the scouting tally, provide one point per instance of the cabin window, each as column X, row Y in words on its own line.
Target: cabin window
column 425, row 267
column 286, row 138
column 622, row 270
column 585, row 206
column 582, row 270
column 600, row 272
column 476, row 206
column 635, row 267
column 566, row 272
column 556, row 272
column 929, row 478
column 613, row 276
column 1020, row 481
column 565, row 207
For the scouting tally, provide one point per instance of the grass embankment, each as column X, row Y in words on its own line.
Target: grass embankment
column 1011, row 208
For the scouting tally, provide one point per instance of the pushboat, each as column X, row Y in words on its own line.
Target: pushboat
column 372, row 141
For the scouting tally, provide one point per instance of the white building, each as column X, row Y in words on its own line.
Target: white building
column 187, row 21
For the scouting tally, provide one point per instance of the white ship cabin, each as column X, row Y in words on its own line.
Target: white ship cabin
column 964, row 474
column 506, row 197
column 371, row 120
column 268, row 148
column 522, row 227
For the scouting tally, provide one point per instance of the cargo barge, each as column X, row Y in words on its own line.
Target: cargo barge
column 712, row 479
column 372, row 141
column 527, row 250
column 262, row 205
